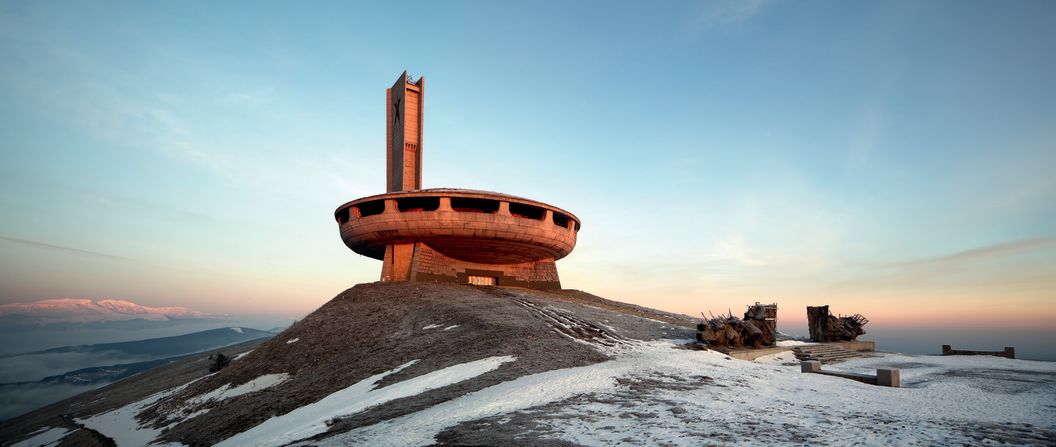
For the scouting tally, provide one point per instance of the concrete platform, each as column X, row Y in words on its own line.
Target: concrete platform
column 846, row 346
column 752, row 354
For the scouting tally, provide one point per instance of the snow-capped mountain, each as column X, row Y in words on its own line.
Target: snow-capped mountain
column 73, row 310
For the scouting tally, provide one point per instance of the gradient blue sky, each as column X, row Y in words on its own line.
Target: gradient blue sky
column 889, row 158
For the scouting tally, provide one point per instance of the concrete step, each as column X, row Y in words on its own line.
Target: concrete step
column 825, row 353
column 819, row 348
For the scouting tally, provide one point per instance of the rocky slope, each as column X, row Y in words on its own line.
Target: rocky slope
column 373, row 328
column 406, row 364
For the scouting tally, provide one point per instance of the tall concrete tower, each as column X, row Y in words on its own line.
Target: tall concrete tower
column 403, row 134
column 446, row 234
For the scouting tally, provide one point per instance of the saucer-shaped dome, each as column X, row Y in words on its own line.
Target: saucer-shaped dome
column 469, row 225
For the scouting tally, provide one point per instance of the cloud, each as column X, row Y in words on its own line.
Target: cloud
column 978, row 274
column 982, row 253
column 724, row 13
column 70, row 250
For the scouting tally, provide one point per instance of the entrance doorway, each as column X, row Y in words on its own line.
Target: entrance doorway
column 483, row 280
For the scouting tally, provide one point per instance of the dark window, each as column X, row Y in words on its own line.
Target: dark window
column 468, row 205
column 527, row 211
column 560, row 220
column 577, row 226
column 412, row 204
column 342, row 216
column 371, row 208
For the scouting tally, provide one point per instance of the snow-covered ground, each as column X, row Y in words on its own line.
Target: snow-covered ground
column 121, row 424
column 48, row 436
column 654, row 393
column 227, row 391
column 784, row 343
column 311, row 419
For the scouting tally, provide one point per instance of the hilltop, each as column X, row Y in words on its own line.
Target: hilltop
column 422, row 363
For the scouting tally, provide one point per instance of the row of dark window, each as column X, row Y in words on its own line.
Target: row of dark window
column 460, row 204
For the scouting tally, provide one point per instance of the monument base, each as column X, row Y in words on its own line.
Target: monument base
column 417, row 261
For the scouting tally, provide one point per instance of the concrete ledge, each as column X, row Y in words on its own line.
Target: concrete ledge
column 858, row 345
column 884, row 377
column 752, row 354
column 1008, row 353
column 864, row 378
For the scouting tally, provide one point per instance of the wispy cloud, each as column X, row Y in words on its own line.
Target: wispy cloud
column 992, row 269
column 986, row 252
column 70, row 250
column 724, row 13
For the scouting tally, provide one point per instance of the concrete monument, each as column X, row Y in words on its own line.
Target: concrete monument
column 446, row 234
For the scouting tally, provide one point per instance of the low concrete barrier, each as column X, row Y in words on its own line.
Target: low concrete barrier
column 1008, row 353
column 889, row 377
column 859, row 345
column 752, row 354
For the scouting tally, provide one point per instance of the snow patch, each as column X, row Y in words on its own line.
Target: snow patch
column 121, row 424
column 421, row 427
column 239, row 356
column 781, row 358
column 293, row 340
column 48, row 436
column 227, row 392
column 311, row 419
column 237, row 329
column 784, row 343
column 431, row 326
column 450, row 327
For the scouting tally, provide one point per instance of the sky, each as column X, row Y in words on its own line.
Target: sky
column 888, row 158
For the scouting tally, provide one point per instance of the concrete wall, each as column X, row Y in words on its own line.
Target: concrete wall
column 419, row 262
column 1009, row 352
column 858, row 345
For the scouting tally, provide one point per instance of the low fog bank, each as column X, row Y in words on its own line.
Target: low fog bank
column 1030, row 344
column 24, row 397
column 19, row 339
column 35, row 367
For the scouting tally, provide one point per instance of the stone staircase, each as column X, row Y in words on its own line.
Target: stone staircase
column 826, row 353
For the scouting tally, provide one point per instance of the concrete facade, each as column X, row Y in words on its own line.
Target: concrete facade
column 446, row 234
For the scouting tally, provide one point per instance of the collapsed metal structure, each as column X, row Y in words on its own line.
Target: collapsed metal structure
column 756, row 330
column 824, row 327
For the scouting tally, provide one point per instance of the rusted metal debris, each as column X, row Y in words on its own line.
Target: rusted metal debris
column 824, row 327
column 756, row 330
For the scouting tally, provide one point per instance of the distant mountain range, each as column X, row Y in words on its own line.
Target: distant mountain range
column 41, row 325
column 163, row 346
column 74, row 310
column 170, row 348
